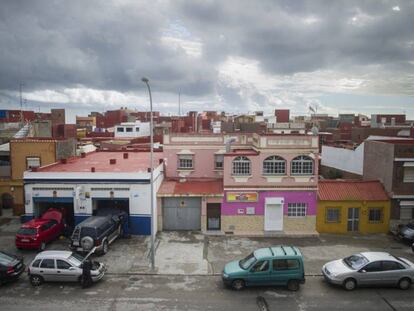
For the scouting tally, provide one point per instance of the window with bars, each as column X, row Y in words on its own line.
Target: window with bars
column 185, row 161
column 297, row 209
column 241, row 166
column 375, row 214
column 218, row 161
column 274, row 165
column 333, row 215
column 302, row 165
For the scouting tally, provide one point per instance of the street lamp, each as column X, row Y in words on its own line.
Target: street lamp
column 146, row 81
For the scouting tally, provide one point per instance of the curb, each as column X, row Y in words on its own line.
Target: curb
column 174, row 274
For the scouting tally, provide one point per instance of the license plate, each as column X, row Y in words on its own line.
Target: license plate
column 76, row 243
column 25, row 240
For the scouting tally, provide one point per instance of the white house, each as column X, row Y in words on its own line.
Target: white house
column 132, row 129
column 83, row 185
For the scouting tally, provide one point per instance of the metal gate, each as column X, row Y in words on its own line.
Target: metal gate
column 181, row 213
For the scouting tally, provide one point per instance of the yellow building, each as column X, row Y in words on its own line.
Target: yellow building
column 352, row 206
column 25, row 154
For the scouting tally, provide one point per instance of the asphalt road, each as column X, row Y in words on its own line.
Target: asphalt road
column 138, row 292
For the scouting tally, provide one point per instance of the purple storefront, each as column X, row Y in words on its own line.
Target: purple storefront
column 258, row 212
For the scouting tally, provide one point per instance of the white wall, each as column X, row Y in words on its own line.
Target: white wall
column 344, row 159
column 144, row 129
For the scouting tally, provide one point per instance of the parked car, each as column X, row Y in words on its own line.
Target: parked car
column 96, row 231
column 370, row 268
column 406, row 232
column 11, row 267
column 36, row 233
column 61, row 266
column 276, row 265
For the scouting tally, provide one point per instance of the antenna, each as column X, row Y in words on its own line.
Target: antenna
column 179, row 103
column 21, row 102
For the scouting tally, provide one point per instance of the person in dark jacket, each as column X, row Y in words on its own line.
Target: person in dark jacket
column 86, row 273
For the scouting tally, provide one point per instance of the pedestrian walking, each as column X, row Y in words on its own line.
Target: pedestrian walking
column 86, row 273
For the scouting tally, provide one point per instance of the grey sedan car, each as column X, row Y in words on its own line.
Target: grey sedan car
column 370, row 268
column 61, row 266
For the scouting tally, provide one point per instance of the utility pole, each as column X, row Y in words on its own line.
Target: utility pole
column 21, row 102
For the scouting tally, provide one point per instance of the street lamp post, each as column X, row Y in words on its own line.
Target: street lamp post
column 146, row 81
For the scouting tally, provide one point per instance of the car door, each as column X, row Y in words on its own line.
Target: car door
column 284, row 270
column 370, row 274
column 65, row 272
column 392, row 272
column 47, row 269
column 259, row 274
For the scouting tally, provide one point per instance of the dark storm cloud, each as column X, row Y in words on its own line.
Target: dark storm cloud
column 110, row 45
column 297, row 36
column 96, row 44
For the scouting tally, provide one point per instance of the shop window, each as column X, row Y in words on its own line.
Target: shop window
column 241, row 166
column 218, row 161
column 333, row 215
column 297, row 209
column 274, row 165
column 375, row 215
column 302, row 165
column 185, row 161
column 32, row 162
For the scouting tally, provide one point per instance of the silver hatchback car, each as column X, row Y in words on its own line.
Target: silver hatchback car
column 370, row 268
column 61, row 266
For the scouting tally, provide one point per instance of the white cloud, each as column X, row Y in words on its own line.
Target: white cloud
column 396, row 8
column 191, row 47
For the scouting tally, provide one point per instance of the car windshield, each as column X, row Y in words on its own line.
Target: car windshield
column 27, row 231
column 75, row 259
column 5, row 259
column 247, row 262
column 355, row 261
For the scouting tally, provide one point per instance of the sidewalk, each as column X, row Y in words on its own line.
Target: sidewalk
column 191, row 253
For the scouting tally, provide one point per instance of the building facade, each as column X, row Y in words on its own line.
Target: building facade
column 349, row 206
column 269, row 182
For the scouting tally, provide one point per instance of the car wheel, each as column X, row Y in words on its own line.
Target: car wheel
column 404, row 283
column 105, row 247
column 42, row 246
column 350, row 284
column 293, row 285
column 36, row 280
column 238, row 284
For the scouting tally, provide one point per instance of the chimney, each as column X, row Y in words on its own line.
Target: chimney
column 63, row 160
column 83, row 154
column 125, row 155
column 112, row 161
column 93, row 169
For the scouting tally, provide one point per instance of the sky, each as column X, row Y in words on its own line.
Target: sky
column 235, row 56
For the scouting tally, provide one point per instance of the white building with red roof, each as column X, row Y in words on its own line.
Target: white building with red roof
column 85, row 184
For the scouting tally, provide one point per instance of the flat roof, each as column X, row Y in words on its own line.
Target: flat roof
column 136, row 162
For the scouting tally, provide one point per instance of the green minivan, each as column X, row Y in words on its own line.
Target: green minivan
column 275, row 265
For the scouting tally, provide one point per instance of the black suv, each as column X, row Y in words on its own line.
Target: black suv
column 99, row 231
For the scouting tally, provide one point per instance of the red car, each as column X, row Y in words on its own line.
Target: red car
column 35, row 233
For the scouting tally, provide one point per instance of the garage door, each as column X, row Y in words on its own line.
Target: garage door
column 181, row 213
column 42, row 204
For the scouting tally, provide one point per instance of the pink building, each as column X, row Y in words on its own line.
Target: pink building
column 239, row 183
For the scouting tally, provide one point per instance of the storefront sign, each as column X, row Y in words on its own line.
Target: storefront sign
column 242, row 196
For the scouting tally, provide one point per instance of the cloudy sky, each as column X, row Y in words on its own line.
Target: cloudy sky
column 238, row 56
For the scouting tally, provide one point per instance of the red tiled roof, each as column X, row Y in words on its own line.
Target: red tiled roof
column 174, row 187
column 351, row 190
column 136, row 162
